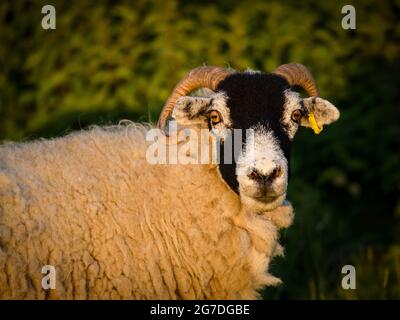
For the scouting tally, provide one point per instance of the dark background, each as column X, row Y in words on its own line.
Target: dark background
column 112, row 60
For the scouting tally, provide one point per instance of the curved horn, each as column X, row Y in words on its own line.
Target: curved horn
column 297, row 74
column 201, row 77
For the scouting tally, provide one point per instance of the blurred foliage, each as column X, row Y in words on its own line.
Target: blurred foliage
column 111, row 60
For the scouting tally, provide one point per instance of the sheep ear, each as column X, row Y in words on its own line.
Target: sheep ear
column 323, row 111
column 191, row 110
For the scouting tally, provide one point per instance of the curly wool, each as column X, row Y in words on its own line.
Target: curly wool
column 116, row 227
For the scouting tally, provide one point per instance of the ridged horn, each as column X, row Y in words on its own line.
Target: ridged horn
column 299, row 75
column 201, row 77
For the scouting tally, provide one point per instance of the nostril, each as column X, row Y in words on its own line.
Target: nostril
column 255, row 175
column 277, row 172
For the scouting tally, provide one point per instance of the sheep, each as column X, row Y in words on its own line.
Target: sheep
column 116, row 226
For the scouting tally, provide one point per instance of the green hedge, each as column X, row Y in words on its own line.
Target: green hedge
column 111, row 60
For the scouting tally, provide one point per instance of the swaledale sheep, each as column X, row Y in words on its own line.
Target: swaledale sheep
column 116, row 226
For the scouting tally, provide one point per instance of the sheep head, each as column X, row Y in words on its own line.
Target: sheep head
column 263, row 104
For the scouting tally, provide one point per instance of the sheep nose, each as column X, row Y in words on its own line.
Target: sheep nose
column 262, row 178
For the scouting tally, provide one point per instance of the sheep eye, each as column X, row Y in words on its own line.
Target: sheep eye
column 215, row 117
column 296, row 115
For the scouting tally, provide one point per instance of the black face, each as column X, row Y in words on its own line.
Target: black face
column 254, row 98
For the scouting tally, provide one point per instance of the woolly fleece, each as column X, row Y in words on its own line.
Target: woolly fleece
column 116, row 227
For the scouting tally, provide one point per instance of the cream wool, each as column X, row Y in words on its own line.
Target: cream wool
column 116, row 227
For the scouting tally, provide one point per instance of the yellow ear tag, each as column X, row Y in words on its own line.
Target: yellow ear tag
column 313, row 123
